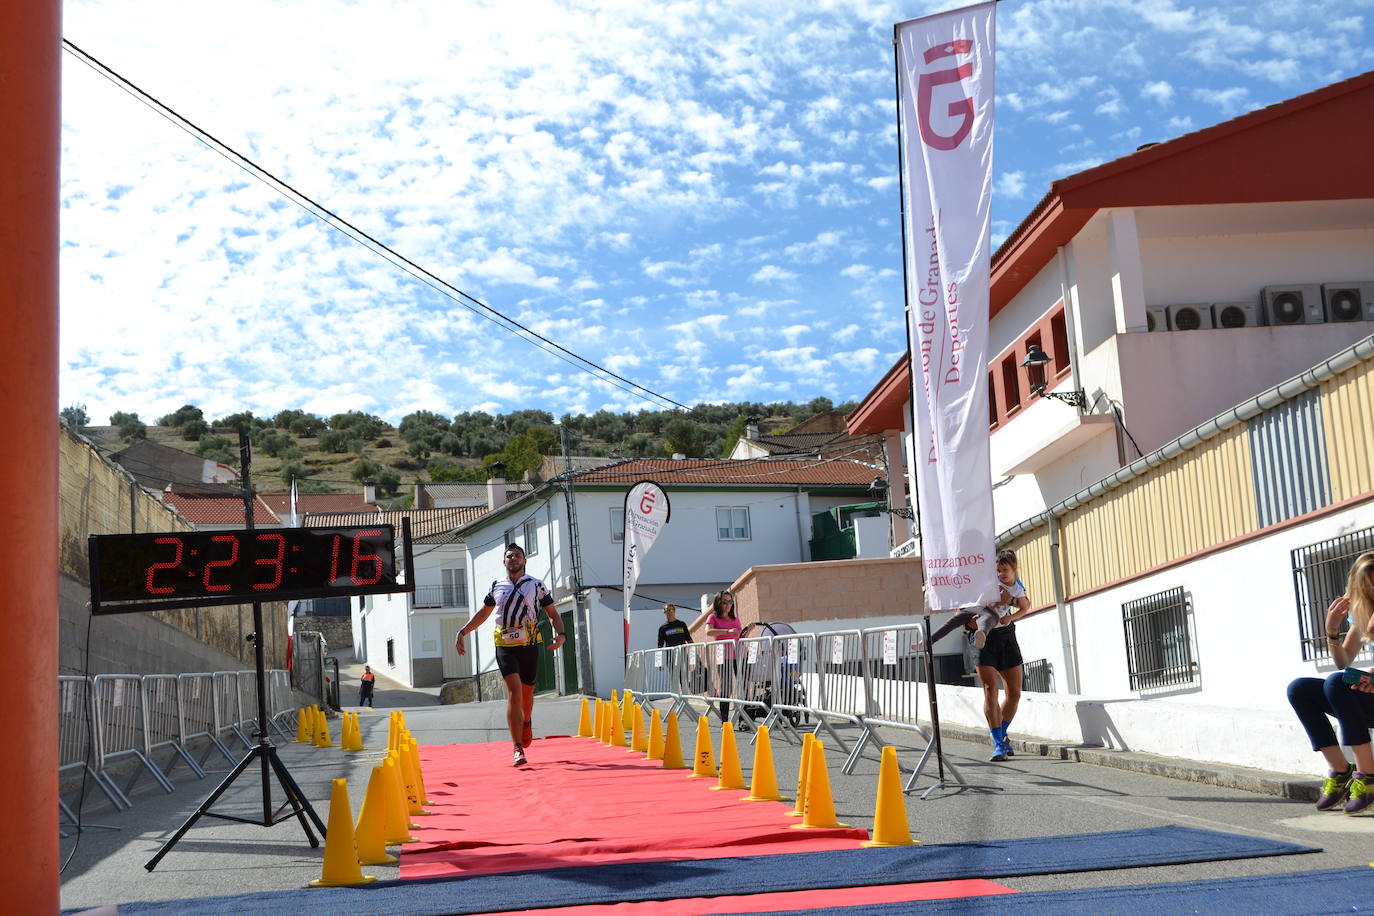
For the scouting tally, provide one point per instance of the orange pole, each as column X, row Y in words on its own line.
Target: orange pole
column 30, row 78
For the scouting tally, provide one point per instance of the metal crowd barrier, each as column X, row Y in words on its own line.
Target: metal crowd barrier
column 162, row 721
column 121, row 729
column 894, row 669
column 114, row 716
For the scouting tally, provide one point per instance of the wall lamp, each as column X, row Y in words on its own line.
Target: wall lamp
column 1035, row 362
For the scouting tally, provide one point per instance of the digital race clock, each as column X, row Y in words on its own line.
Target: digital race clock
column 148, row 572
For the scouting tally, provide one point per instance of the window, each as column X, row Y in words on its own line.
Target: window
column 1159, row 651
column 1059, row 339
column 618, row 524
column 526, row 535
column 455, row 587
column 391, row 653
column 1320, row 573
column 1011, row 384
column 992, row 402
column 732, row 523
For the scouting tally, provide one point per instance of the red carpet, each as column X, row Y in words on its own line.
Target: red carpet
column 580, row 803
column 820, row 900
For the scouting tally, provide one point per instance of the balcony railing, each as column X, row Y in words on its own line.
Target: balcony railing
column 431, row 596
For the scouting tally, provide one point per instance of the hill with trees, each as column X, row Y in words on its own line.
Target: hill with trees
column 337, row 453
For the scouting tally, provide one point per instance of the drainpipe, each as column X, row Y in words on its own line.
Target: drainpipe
column 1065, row 624
column 801, row 539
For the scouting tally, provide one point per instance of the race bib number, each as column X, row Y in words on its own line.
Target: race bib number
column 515, row 636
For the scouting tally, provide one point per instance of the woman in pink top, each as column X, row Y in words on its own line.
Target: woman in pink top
column 723, row 624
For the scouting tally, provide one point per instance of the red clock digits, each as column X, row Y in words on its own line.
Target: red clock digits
column 360, row 557
column 272, row 561
column 209, row 567
column 171, row 564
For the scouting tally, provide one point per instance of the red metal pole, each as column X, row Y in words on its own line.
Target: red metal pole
column 30, row 120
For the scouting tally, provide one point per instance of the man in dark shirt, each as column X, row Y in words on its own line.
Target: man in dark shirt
column 674, row 631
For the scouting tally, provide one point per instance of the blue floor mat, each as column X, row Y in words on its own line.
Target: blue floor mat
column 1313, row 893
column 639, row 881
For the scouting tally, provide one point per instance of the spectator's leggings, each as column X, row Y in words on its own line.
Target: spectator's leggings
column 1314, row 700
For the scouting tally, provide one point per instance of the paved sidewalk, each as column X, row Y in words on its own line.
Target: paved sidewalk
column 386, row 693
column 1064, row 790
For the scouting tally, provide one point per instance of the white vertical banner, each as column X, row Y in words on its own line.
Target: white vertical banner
column 646, row 512
column 945, row 86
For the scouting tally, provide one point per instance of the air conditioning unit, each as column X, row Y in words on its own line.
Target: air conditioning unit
column 1295, row 304
column 1349, row 301
column 1236, row 314
column 1191, row 316
column 1156, row 318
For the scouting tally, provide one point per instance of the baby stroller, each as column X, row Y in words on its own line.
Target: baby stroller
column 789, row 692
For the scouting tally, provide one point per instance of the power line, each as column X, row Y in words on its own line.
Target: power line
column 390, row 255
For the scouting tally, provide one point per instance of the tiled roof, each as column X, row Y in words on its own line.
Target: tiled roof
column 317, row 503
column 218, row 510
column 758, row 472
column 428, row 526
column 780, row 443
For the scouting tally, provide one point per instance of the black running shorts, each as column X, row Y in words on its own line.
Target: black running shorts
column 1002, row 651
column 521, row 660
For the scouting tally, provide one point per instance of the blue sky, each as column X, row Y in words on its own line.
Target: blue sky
column 700, row 196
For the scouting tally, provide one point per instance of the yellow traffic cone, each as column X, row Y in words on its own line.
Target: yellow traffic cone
column 340, row 858
column 703, row 758
column 615, row 702
column 890, row 826
column 731, row 776
column 302, row 733
column 401, row 719
column 397, row 816
column 627, row 709
column 655, row 736
column 638, row 742
column 763, row 785
column 322, row 730
column 820, row 805
column 617, row 729
column 672, row 746
column 598, row 717
column 419, row 773
column 370, row 837
column 392, row 731
column 803, row 769
column 407, row 774
column 351, row 740
column 357, row 733
column 584, row 721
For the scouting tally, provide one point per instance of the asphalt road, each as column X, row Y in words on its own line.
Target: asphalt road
column 1028, row 796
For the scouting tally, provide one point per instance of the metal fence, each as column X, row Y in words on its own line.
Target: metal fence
column 110, row 718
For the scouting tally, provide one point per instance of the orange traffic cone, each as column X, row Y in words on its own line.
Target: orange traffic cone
column 370, row 836
column 340, row 858
column 763, row 786
column 584, row 721
column 820, row 805
column 672, row 746
column 731, row 777
column 890, row 826
column 655, row 736
column 703, row 757
column 803, row 769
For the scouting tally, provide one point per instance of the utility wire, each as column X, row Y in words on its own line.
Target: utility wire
column 349, row 230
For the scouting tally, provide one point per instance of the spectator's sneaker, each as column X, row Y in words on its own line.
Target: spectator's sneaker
column 1335, row 788
column 980, row 639
column 999, row 751
column 519, row 756
column 1360, row 795
column 527, row 735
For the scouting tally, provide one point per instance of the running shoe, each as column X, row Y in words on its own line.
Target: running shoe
column 527, row 735
column 1360, row 795
column 1335, row 788
column 999, row 751
column 980, row 639
column 519, row 756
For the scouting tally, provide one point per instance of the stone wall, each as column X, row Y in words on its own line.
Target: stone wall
column 337, row 631
column 96, row 496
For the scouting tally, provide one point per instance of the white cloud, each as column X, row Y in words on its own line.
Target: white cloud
column 1158, row 91
column 771, row 273
column 1011, row 184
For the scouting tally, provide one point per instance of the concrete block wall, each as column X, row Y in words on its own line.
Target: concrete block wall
column 830, row 590
column 96, row 496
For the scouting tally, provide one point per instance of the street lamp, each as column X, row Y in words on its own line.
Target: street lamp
column 1035, row 362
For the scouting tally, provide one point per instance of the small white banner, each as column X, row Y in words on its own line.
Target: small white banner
column 836, row 650
column 794, row 651
column 720, row 652
column 646, row 512
column 658, row 659
column 889, row 647
column 753, row 652
column 945, row 81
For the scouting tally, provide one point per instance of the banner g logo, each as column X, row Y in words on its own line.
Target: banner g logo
column 962, row 109
column 646, row 502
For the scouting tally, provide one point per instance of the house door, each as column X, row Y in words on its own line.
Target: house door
column 548, row 677
column 455, row 665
